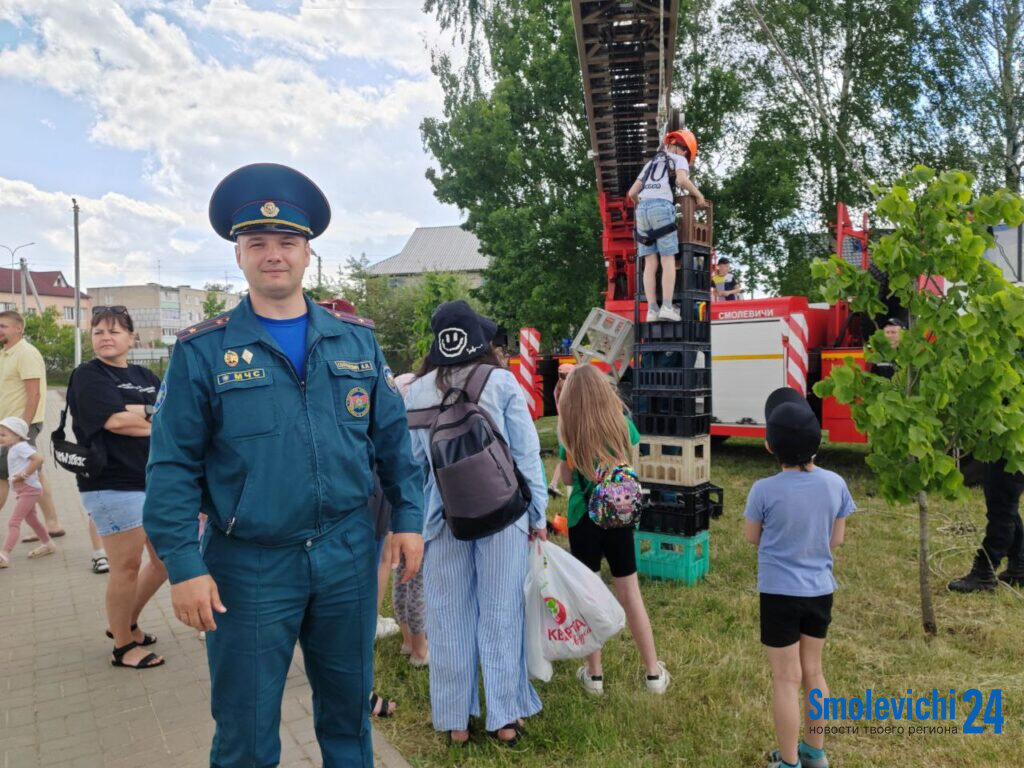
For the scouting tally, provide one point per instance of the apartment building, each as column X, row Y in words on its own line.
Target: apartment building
column 160, row 311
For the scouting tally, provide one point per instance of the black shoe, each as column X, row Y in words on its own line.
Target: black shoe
column 1014, row 573
column 981, row 578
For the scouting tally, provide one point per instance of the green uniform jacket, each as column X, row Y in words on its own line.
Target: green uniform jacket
column 271, row 459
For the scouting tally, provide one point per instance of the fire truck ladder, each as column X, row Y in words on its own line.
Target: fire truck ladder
column 626, row 50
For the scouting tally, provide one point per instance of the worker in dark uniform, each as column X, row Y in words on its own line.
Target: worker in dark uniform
column 271, row 420
column 1004, row 533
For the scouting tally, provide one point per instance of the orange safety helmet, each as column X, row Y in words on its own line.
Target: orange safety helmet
column 683, row 138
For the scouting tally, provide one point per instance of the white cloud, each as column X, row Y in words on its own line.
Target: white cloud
column 47, row 123
column 156, row 84
column 394, row 32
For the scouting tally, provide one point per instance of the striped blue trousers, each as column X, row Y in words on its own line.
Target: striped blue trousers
column 474, row 597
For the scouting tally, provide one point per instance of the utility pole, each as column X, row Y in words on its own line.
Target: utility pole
column 24, row 271
column 13, row 251
column 78, row 292
column 319, row 270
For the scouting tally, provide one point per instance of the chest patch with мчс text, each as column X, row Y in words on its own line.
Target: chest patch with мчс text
column 251, row 374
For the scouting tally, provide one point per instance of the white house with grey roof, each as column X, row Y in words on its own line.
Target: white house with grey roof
column 435, row 249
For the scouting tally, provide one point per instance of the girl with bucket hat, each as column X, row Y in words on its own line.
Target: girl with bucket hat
column 474, row 588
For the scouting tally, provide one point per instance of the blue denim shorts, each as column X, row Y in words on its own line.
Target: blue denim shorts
column 652, row 214
column 114, row 511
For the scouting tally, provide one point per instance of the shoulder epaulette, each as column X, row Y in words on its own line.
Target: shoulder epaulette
column 204, row 327
column 345, row 317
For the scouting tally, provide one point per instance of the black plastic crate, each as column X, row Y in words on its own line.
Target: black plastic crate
column 696, row 280
column 680, row 511
column 694, row 402
column 672, row 378
column 689, row 279
column 671, row 425
column 671, row 365
column 716, row 500
column 696, row 257
column 687, row 332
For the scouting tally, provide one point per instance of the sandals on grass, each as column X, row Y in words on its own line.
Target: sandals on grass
column 385, row 710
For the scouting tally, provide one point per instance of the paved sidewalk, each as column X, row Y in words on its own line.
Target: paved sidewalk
column 63, row 704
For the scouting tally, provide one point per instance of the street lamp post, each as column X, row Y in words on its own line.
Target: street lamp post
column 12, row 252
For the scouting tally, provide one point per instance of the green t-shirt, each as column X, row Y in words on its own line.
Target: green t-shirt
column 582, row 487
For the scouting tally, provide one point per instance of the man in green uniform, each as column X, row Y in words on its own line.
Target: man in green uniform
column 271, row 420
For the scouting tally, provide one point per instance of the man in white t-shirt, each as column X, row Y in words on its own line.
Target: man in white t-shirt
column 653, row 193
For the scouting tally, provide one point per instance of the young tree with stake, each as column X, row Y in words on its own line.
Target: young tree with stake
column 959, row 366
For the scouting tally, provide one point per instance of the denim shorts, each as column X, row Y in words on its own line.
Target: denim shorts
column 652, row 214
column 114, row 511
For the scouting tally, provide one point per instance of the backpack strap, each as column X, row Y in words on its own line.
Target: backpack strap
column 473, row 389
column 58, row 433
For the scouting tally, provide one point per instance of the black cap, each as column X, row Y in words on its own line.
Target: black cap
column 724, row 260
column 793, row 431
column 460, row 334
column 896, row 321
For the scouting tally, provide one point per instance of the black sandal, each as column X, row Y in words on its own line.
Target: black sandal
column 461, row 744
column 147, row 639
column 516, row 727
column 147, row 662
column 385, row 706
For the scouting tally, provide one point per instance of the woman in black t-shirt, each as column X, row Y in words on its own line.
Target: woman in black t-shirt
column 111, row 403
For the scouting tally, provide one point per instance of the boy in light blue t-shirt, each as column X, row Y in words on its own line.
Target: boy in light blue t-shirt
column 796, row 518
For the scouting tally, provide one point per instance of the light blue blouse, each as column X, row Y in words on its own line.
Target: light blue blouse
column 503, row 399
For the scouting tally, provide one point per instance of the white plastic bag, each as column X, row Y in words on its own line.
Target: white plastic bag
column 579, row 612
column 538, row 666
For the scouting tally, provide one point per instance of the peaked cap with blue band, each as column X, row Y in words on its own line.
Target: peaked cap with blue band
column 266, row 197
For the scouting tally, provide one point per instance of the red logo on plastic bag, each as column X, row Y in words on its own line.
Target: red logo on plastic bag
column 556, row 608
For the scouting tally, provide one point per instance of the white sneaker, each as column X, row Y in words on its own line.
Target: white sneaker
column 668, row 312
column 386, row 626
column 5, row 561
column 592, row 685
column 660, row 683
column 652, row 313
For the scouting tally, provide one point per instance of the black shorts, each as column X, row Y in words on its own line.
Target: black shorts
column 589, row 543
column 784, row 618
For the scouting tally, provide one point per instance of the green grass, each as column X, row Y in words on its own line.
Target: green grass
column 717, row 710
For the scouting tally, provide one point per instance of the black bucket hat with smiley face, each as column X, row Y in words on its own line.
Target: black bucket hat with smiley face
column 460, row 334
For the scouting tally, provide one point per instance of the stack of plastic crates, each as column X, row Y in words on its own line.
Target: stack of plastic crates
column 672, row 411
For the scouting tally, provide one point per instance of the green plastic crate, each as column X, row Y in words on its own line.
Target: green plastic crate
column 676, row 558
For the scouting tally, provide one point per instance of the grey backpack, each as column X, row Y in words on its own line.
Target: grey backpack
column 482, row 490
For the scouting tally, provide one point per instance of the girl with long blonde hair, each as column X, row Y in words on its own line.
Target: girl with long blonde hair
column 595, row 434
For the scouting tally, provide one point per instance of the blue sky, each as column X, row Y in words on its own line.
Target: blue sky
column 137, row 108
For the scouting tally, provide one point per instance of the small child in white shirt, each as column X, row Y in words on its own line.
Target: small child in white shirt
column 23, row 464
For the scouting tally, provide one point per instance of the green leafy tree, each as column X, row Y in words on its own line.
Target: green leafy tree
column 213, row 305
column 854, row 102
column 55, row 342
column 959, row 364
column 976, row 78
column 514, row 158
column 436, row 288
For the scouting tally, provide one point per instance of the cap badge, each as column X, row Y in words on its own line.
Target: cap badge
column 269, row 208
